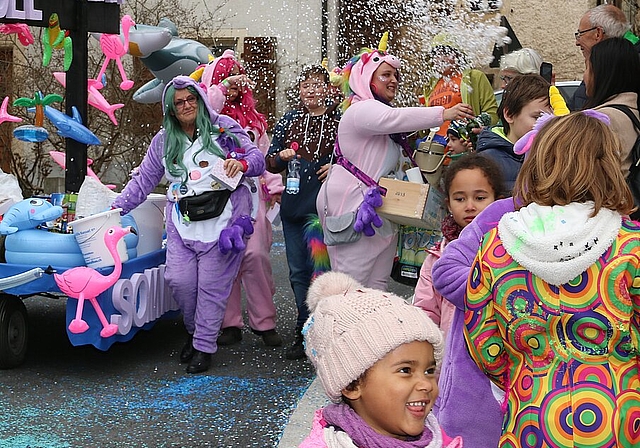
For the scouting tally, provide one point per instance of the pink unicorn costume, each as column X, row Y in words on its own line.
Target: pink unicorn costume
column 199, row 274
column 255, row 273
column 364, row 139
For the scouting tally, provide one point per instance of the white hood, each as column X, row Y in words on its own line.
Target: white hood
column 558, row 243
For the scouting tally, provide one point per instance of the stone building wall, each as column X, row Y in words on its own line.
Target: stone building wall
column 548, row 27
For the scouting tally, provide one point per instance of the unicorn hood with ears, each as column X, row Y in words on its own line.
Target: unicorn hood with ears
column 355, row 77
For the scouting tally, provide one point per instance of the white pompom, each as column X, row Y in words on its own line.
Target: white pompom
column 330, row 284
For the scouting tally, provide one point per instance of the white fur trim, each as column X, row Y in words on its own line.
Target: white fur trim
column 558, row 243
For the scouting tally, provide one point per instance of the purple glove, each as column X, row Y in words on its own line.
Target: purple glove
column 231, row 239
column 367, row 215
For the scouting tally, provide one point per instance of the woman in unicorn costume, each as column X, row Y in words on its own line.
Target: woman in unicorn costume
column 203, row 256
column 371, row 136
column 229, row 93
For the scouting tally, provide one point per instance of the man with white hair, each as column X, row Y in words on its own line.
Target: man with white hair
column 520, row 62
column 597, row 24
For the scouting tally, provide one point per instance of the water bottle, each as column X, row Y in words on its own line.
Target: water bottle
column 293, row 177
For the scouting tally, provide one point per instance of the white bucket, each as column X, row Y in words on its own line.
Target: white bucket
column 149, row 217
column 89, row 233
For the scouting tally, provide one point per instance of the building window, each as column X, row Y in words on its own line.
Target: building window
column 484, row 5
column 218, row 45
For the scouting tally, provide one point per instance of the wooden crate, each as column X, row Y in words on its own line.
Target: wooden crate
column 412, row 204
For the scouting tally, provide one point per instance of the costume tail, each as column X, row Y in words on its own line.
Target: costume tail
column 314, row 238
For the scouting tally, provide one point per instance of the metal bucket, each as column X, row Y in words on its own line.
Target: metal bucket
column 430, row 157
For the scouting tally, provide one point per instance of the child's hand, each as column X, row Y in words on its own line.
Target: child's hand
column 239, row 83
column 287, row 155
column 323, row 172
column 232, row 167
column 275, row 198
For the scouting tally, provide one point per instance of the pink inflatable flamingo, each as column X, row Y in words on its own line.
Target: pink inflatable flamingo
column 6, row 116
column 60, row 158
column 113, row 48
column 84, row 283
column 21, row 30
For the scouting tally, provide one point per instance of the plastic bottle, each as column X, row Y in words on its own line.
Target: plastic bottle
column 293, row 176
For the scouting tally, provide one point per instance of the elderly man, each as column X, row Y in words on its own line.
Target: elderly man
column 597, row 24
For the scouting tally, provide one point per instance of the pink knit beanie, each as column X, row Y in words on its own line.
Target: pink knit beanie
column 352, row 327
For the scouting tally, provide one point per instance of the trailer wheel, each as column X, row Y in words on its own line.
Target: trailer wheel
column 14, row 331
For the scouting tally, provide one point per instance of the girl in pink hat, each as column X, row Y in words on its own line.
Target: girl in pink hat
column 229, row 92
column 371, row 136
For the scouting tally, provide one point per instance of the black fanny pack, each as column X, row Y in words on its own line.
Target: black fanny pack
column 204, row 206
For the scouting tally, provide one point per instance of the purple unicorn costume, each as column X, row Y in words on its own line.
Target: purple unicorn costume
column 466, row 405
column 203, row 257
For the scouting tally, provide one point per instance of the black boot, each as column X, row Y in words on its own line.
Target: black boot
column 296, row 351
column 230, row 336
column 271, row 338
column 200, row 362
column 187, row 351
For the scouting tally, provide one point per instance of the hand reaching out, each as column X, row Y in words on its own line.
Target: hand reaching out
column 240, row 81
column 458, row 112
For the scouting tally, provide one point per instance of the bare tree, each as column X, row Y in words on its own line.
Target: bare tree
column 122, row 146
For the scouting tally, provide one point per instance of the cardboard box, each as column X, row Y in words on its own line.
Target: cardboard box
column 412, row 204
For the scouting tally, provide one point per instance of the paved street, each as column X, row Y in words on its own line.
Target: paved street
column 137, row 394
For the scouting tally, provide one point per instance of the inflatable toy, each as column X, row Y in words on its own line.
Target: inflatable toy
column 55, row 38
column 178, row 57
column 60, row 158
column 39, row 247
column 84, row 283
column 94, row 97
column 35, row 133
column 4, row 115
column 131, row 239
column 114, row 48
column 31, row 133
column 71, row 127
column 28, row 214
column 19, row 29
column 145, row 39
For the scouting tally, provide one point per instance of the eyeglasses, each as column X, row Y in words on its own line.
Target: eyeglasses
column 506, row 78
column 191, row 101
column 580, row 33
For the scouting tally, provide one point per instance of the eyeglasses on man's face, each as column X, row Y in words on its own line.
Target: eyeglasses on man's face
column 581, row 32
column 190, row 100
column 506, row 78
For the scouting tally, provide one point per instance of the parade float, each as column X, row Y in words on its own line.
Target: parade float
column 114, row 263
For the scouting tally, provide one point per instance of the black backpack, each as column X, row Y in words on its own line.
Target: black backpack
column 633, row 180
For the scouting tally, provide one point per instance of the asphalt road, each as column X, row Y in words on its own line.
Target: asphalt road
column 137, row 394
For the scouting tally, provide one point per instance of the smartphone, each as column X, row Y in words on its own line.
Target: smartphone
column 546, row 71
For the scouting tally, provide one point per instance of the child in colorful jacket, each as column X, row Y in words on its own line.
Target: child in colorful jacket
column 552, row 314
